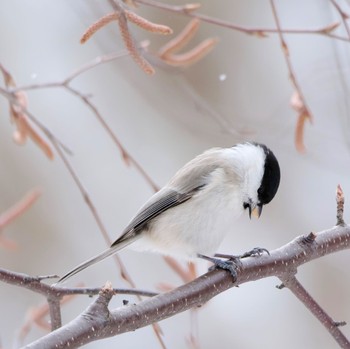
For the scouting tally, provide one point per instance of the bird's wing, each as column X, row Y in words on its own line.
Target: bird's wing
column 188, row 181
column 159, row 203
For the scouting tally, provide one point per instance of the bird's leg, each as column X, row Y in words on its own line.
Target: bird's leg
column 226, row 256
column 231, row 264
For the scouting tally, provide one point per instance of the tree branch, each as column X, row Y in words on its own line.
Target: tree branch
column 98, row 322
column 332, row 326
column 35, row 284
column 259, row 32
column 298, row 100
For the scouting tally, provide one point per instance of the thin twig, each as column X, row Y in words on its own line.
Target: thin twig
column 344, row 16
column 93, row 210
column 122, row 16
column 24, row 129
column 126, row 156
column 58, row 147
column 7, row 93
column 65, row 83
column 298, row 99
column 285, row 51
column 35, row 284
column 259, row 32
column 83, row 191
column 309, row 302
column 123, row 271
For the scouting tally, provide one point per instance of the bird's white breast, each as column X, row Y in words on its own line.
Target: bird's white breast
column 198, row 225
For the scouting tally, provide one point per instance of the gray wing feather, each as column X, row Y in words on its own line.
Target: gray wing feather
column 157, row 205
column 187, row 182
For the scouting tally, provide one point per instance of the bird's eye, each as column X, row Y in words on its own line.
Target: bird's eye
column 245, row 205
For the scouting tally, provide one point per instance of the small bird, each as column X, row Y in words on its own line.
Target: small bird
column 191, row 215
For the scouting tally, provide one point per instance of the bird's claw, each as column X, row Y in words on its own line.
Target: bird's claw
column 230, row 265
column 255, row 252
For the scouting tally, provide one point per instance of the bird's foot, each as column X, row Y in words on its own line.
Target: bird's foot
column 255, row 252
column 231, row 264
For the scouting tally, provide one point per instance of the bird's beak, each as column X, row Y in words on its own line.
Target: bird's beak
column 255, row 212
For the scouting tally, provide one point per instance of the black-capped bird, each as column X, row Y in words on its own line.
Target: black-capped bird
column 191, row 214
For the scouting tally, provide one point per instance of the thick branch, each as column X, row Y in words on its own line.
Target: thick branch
column 98, row 322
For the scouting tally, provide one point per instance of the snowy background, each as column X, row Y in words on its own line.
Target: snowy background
column 239, row 92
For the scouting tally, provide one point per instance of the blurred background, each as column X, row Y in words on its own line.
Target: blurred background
column 240, row 91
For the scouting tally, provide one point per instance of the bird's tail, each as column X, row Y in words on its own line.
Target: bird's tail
column 96, row 259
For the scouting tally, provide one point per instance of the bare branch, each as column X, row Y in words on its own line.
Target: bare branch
column 55, row 312
column 98, row 322
column 126, row 156
column 344, row 16
column 298, row 100
column 187, row 10
column 12, row 99
column 59, row 147
column 24, row 128
column 122, row 16
column 35, row 284
column 65, row 83
column 332, row 326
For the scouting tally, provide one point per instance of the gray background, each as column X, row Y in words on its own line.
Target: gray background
column 164, row 121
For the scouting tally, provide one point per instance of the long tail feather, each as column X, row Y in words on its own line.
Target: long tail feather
column 96, row 259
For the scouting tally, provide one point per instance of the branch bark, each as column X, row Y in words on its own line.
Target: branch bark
column 332, row 326
column 35, row 284
column 99, row 322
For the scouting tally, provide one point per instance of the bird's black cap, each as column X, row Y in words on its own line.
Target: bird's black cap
column 271, row 178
